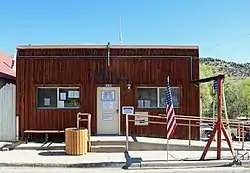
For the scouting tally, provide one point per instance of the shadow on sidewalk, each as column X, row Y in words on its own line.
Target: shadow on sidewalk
column 130, row 161
column 53, row 153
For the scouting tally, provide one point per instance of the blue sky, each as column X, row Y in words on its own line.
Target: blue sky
column 221, row 28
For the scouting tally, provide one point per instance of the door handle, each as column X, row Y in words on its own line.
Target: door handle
column 117, row 110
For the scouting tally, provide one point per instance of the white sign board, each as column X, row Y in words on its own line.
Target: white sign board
column 128, row 110
column 46, row 101
column 61, row 104
column 63, row 96
column 107, row 117
column 141, row 118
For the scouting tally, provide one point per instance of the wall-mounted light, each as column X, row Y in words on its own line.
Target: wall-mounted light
column 129, row 85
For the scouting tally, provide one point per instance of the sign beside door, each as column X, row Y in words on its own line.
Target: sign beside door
column 128, row 110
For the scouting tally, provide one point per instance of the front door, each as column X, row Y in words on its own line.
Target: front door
column 108, row 110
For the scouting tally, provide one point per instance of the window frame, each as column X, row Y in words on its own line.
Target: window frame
column 57, row 97
column 158, row 97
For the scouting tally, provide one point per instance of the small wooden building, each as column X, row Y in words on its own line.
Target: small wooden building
column 54, row 83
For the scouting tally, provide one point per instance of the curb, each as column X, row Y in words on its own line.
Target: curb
column 127, row 165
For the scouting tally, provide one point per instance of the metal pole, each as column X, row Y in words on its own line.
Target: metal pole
column 89, row 129
column 77, row 120
column 239, row 134
column 189, row 132
column 167, row 140
column 89, row 125
column 243, row 135
column 167, row 148
column 126, row 132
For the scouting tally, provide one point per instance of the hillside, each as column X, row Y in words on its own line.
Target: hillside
column 232, row 69
column 236, row 86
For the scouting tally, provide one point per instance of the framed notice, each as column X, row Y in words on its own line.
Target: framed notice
column 76, row 94
column 63, row 96
column 107, row 105
column 141, row 118
column 107, row 117
column 108, row 95
column 71, row 94
column 61, row 104
column 46, row 101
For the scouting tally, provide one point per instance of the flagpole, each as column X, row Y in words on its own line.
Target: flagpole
column 167, row 140
column 120, row 31
column 167, row 128
column 170, row 115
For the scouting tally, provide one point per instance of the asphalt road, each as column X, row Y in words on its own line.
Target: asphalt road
column 115, row 170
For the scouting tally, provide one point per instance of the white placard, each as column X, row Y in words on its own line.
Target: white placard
column 70, row 94
column 76, row 94
column 73, row 94
column 107, row 117
column 61, row 104
column 141, row 118
column 107, row 105
column 46, row 101
column 128, row 110
column 108, row 95
column 63, row 96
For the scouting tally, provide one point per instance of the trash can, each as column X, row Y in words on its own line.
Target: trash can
column 76, row 141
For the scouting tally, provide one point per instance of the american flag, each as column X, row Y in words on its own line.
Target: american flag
column 171, row 121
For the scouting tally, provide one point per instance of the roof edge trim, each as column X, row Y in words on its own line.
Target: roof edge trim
column 104, row 46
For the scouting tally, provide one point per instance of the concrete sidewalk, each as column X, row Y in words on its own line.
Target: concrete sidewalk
column 58, row 158
column 156, row 158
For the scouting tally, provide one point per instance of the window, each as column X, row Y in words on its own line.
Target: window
column 58, row 97
column 153, row 97
column 47, row 97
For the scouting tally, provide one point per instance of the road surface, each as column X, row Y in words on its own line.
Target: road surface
column 117, row 170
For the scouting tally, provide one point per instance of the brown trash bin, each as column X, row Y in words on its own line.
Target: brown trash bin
column 76, row 141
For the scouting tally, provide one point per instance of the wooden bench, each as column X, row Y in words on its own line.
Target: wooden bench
column 45, row 132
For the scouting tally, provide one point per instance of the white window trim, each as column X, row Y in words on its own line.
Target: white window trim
column 58, row 96
column 158, row 95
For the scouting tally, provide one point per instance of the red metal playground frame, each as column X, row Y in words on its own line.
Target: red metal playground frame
column 219, row 126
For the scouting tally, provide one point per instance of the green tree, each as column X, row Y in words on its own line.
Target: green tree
column 233, row 97
column 206, row 89
column 245, row 93
column 237, row 90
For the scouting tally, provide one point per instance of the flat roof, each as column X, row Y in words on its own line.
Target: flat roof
column 104, row 46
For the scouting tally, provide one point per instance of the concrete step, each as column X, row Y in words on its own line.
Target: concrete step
column 146, row 146
column 108, row 143
column 108, row 148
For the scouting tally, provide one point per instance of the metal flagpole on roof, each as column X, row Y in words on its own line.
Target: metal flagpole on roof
column 120, row 31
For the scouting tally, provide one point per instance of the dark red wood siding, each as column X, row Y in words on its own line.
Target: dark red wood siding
column 73, row 67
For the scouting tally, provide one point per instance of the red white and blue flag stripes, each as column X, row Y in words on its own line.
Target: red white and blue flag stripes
column 170, row 113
